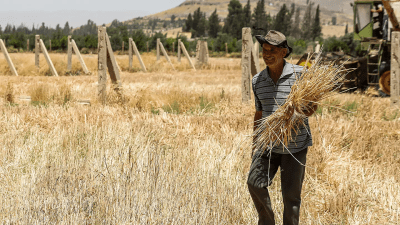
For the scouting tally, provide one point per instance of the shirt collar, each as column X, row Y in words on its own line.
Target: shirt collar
column 288, row 69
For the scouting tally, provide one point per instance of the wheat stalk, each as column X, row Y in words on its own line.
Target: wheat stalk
column 315, row 84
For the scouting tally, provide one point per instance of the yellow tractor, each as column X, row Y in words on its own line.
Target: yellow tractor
column 374, row 20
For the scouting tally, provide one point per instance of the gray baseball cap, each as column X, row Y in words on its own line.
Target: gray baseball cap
column 275, row 38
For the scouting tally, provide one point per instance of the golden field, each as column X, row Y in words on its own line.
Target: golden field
column 25, row 64
column 175, row 150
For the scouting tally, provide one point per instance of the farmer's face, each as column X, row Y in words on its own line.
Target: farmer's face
column 273, row 55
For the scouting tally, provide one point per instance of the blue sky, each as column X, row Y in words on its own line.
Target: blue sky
column 78, row 12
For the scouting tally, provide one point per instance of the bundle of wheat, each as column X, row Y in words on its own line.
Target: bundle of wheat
column 315, row 84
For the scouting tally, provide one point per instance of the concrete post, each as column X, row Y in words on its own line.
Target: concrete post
column 37, row 50
column 165, row 54
column 69, row 65
column 310, row 49
column 202, row 53
column 130, row 53
column 102, row 65
column 47, row 57
column 206, row 50
column 395, row 70
column 158, row 49
column 317, row 47
column 255, row 60
column 198, row 51
column 173, row 48
column 76, row 50
column 138, row 55
column 112, row 66
column 179, row 50
column 187, row 55
column 226, row 48
column 98, row 40
column 257, row 50
column 7, row 56
column 246, row 63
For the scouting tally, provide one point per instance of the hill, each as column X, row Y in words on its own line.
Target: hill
column 329, row 8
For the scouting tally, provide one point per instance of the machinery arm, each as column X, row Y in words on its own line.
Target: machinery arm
column 391, row 14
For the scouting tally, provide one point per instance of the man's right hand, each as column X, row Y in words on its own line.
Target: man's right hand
column 257, row 118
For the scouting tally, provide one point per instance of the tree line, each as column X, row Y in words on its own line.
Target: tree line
column 287, row 21
column 300, row 28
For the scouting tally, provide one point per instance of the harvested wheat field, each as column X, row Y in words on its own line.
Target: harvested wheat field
column 175, row 150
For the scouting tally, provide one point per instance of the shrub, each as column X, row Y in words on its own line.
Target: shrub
column 334, row 44
column 9, row 95
column 172, row 108
column 40, row 94
column 140, row 39
column 85, row 51
column 168, row 44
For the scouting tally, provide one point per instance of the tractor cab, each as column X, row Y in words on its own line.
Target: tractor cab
column 372, row 28
column 369, row 20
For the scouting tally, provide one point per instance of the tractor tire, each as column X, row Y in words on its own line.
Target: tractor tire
column 384, row 82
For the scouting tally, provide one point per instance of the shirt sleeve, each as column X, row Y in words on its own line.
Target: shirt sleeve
column 256, row 100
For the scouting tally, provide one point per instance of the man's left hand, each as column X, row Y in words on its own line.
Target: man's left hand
column 312, row 107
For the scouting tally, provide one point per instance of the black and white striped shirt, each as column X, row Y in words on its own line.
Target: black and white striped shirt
column 269, row 96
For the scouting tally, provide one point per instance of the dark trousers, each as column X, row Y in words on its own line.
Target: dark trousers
column 263, row 169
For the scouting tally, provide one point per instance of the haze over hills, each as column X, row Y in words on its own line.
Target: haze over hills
column 75, row 18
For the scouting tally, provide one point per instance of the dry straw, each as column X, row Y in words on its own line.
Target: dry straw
column 316, row 83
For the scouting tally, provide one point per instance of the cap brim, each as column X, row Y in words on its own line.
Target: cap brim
column 262, row 41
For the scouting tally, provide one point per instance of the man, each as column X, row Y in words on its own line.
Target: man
column 381, row 30
column 271, row 88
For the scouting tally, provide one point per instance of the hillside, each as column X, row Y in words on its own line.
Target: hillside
column 329, row 8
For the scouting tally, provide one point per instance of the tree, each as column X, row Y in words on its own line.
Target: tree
column 198, row 24
column 334, row 20
column 90, row 28
column 201, row 27
column 153, row 23
column 189, row 23
column 197, row 14
column 173, row 17
column 247, row 14
column 58, row 28
column 42, row 29
column 292, row 9
column 219, row 43
column 305, row 28
column 282, row 21
column 316, row 27
column 346, row 31
column 213, row 25
column 234, row 20
column 140, row 39
column 114, row 23
column 259, row 18
column 296, row 32
column 66, row 29
column 153, row 40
